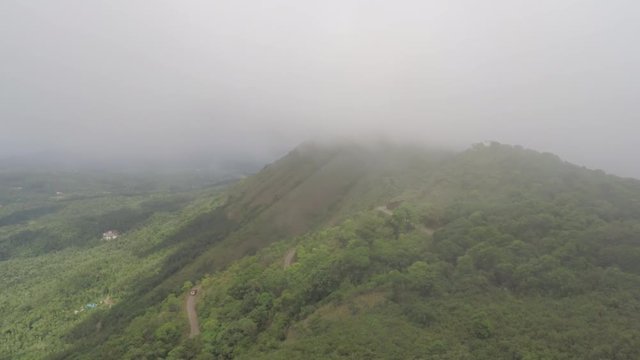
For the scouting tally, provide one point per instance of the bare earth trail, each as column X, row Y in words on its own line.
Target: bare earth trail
column 424, row 229
column 288, row 259
column 384, row 210
column 190, row 308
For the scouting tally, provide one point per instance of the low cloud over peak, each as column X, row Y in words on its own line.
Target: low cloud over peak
column 169, row 79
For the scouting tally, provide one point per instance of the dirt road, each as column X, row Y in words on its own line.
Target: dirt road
column 190, row 308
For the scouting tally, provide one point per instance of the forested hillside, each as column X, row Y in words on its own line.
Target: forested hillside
column 57, row 270
column 365, row 252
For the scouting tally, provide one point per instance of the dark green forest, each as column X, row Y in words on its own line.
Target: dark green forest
column 349, row 252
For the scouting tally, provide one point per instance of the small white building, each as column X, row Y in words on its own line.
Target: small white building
column 110, row 235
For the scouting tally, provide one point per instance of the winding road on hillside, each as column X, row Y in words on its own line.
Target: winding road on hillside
column 190, row 308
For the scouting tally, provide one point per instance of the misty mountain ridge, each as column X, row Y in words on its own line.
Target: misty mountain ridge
column 156, row 201
column 389, row 250
column 438, row 71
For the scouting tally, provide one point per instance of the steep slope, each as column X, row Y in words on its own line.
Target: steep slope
column 309, row 188
column 496, row 252
column 316, row 183
column 529, row 253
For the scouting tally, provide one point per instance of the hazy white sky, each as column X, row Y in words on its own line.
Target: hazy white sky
column 166, row 77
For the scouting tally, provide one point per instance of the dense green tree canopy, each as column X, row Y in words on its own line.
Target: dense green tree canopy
column 396, row 253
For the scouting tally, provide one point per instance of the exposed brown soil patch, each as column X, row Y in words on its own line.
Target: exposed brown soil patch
column 289, row 258
column 190, row 308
